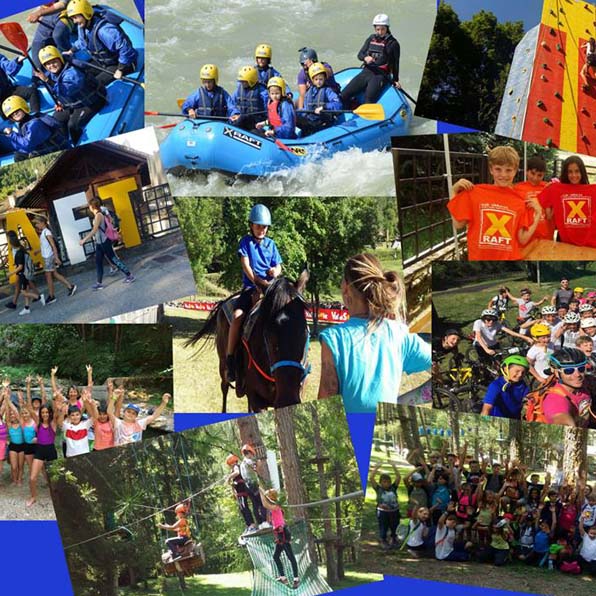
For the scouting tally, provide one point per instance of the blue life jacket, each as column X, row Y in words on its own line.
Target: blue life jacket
column 249, row 101
column 212, row 105
column 95, row 46
column 38, row 136
column 77, row 88
column 321, row 96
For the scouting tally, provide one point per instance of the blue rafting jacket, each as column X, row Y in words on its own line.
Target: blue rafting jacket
column 38, row 136
column 323, row 96
column 76, row 88
column 286, row 112
column 251, row 100
column 8, row 68
column 209, row 103
column 106, row 42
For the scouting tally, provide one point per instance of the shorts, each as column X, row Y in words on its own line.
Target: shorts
column 30, row 448
column 22, row 282
column 244, row 302
column 49, row 263
column 17, row 447
column 591, row 59
column 45, row 452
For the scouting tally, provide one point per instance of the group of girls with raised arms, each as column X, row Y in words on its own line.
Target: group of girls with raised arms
column 29, row 424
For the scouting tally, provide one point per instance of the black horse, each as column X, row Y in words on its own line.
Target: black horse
column 272, row 363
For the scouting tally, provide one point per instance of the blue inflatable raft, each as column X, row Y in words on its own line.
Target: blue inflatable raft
column 123, row 111
column 211, row 145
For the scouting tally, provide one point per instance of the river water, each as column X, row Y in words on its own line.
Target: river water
column 182, row 35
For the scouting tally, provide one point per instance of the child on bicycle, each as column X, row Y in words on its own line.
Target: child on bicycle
column 538, row 354
column 566, row 335
column 525, row 305
column 500, row 302
column 505, row 395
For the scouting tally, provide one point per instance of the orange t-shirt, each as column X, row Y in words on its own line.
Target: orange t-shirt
column 494, row 215
column 545, row 229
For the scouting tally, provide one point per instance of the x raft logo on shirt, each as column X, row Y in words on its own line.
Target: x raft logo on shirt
column 496, row 229
column 577, row 211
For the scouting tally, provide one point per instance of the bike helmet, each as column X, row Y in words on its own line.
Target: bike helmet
column 260, row 215
column 585, row 307
column 516, row 359
column 263, row 50
column 548, row 310
column 588, row 322
column 277, row 82
column 307, row 54
column 231, row 459
column 381, row 19
column 579, row 290
column 539, row 330
column 82, row 7
column 49, row 53
column 315, row 69
column 209, row 72
column 571, row 317
column 14, row 103
column 568, row 357
column 489, row 312
column 248, row 74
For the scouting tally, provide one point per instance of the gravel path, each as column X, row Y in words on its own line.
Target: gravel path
column 13, row 499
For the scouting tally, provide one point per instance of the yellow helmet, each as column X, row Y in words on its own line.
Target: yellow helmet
column 13, row 103
column 79, row 7
column 277, row 82
column 248, row 74
column 579, row 289
column 209, row 71
column 539, row 330
column 315, row 69
column 263, row 50
column 49, row 53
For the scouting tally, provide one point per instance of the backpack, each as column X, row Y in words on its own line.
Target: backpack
column 109, row 230
column 29, row 267
column 533, row 407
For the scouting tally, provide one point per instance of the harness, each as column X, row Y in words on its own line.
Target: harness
column 211, row 106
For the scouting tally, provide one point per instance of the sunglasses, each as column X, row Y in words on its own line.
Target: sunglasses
column 570, row 370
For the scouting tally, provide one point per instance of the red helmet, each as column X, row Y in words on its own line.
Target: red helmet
column 231, row 459
column 249, row 448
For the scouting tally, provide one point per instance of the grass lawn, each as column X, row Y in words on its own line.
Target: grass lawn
column 236, row 584
column 461, row 306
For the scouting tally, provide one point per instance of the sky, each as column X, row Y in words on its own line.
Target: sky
column 528, row 11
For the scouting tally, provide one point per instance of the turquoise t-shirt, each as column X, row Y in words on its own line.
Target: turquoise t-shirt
column 369, row 366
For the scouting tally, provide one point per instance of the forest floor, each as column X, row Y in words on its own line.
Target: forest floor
column 236, row 584
column 13, row 499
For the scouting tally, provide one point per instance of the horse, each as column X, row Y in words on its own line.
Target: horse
column 272, row 360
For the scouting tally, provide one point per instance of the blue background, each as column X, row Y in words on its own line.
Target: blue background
column 47, row 573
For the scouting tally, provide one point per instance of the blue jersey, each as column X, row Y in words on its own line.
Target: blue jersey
column 369, row 366
column 261, row 257
column 508, row 403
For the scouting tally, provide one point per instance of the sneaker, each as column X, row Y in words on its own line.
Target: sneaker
column 50, row 300
column 129, row 278
column 25, row 311
column 72, row 290
column 96, row 287
column 264, row 525
column 11, row 305
column 113, row 271
column 296, row 582
column 282, row 579
column 43, row 299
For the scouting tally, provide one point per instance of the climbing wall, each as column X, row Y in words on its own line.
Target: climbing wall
column 261, row 547
column 554, row 110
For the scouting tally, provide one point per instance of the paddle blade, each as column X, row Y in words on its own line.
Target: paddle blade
column 370, row 111
column 15, row 35
column 180, row 101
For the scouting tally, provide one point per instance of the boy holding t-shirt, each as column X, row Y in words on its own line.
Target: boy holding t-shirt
column 498, row 222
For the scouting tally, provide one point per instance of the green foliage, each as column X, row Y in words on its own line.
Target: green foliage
column 467, row 68
column 18, row 176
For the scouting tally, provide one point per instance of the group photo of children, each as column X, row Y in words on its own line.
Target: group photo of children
column 482, row 501
column 97, row 393
column 240, row 503
column 516, row 340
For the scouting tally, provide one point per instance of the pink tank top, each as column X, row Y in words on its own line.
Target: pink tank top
column 277, row 517
column 3, row 432
column 45, row 435
column 104, row 436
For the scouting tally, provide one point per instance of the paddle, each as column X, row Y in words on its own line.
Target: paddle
column 18, row 38
column 84, row 64
column 407, row 95
column 367, row 111
column 177, row 115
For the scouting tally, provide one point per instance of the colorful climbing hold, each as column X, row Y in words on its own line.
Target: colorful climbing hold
column 557, row 95
column 546, row 121
column 543, row 78
column 539, row 103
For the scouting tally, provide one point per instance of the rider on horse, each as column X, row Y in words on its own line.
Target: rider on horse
column 261, row 263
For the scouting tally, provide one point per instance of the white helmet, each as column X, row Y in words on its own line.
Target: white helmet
column 571, row 317
column 489, row 312
column 381, row 19
column 548, row 310
column 585, row 307
column 588, row 322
